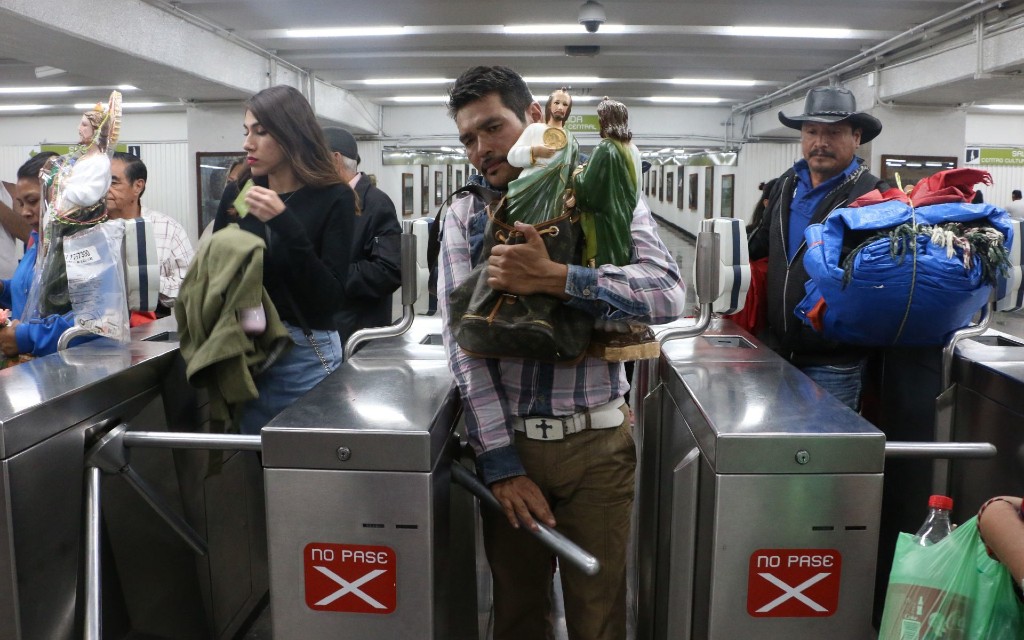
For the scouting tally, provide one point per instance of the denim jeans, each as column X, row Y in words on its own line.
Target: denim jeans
column 288, row 379
column 841, row 380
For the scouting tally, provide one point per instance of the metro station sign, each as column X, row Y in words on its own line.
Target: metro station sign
column 583, row 124
column 350, row 578
column 994, row 156
column 794, row 583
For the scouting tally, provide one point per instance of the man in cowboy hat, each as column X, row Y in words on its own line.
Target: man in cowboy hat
column 828, row 176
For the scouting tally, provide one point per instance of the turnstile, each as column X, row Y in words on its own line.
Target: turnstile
column 51, row 410
column 358, row 498
column 758, row 501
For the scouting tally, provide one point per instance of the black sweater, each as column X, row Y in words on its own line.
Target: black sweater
column 308, row 250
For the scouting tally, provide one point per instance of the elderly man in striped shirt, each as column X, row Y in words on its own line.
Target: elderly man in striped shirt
column 128, row 176
column 553, row 441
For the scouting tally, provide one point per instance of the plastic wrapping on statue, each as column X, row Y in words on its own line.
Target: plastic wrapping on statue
column 96, row 280
column 540, row 196
column 74, row 188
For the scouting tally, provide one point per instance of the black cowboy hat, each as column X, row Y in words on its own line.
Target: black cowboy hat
column 831, row 105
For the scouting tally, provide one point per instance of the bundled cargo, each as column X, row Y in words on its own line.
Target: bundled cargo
column 898, row 270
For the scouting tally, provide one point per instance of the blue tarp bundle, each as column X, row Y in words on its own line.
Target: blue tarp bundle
column 917, row 300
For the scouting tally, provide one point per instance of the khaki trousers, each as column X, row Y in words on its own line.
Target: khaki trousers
column 588, row 479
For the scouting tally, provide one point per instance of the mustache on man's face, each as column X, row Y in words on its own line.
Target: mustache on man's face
column 821, row 153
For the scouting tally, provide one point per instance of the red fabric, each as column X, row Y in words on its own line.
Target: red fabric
column 953, row 185
column 817, row 315
column 753, row 317
column 141, row 317
column 876, row 196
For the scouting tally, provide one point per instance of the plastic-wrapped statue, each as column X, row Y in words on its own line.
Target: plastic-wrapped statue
column 607, row 188
column 75, row 186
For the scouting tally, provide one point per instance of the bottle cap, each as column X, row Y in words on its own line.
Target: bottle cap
column 940, row 502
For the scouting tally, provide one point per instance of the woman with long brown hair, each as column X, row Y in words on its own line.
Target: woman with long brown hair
column 303, row 210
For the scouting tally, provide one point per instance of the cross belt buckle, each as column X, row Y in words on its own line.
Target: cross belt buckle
column 550, row 429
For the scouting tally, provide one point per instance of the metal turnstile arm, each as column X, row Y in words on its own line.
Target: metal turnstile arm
column 950, row 450
column 562, row 546
column 410, row 293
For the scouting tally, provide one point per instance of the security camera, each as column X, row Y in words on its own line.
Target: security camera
column 592, row 15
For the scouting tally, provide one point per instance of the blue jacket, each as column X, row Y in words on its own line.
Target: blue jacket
column 37, row 336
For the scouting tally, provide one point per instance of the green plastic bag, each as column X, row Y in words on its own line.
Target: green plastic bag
column 950, row 590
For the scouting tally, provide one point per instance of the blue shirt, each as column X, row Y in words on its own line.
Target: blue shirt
column 806, row 200
column 37, row 336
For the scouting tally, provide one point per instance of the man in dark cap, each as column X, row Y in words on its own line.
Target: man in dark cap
column 829, row 176
column 376, row 268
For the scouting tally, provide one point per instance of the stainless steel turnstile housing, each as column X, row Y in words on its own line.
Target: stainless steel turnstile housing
column 359, row 499
column 51, row 409
column 744, row 460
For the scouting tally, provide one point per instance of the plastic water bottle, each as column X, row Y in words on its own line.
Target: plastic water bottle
column 936, row 526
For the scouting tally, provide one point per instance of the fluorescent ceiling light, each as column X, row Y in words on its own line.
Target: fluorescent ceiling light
column 441, row 99
column 575, row 99
column 1002, row 107
column 19, row 90
column 557, row 29
column 58, row 89
column 344, row 32
column 407, row 81
column 563, row 80
column 712, row 82
column 128, row 105
column 683, row 100
column 23, row 107
column 48, row 72
column 789, row 32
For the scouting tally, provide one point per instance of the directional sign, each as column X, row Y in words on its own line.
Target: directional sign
column 794, row 583
column 350, row 578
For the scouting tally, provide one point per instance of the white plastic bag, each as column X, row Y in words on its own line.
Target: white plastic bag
column 96, row 280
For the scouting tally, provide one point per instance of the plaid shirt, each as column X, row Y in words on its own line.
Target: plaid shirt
column 649, row 290
column 173, row 251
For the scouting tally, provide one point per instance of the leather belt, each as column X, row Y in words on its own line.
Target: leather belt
column 555, row 428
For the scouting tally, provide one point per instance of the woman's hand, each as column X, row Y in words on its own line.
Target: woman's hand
column 264, row 203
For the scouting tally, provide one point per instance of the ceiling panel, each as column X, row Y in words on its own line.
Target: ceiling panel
column 664, row 40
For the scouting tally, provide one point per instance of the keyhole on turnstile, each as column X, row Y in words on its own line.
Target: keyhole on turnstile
column 802, row 457
column 344, row 453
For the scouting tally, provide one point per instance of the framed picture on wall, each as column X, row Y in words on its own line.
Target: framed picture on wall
column 449, row 185
column 661, row 186
column 438, row 188
column 211, row 179
column 465, row 172
column 668, row 186
column 709, row 192
column 680, row 199
column 424, row 190
column 458, row 179
column 728, row 182
column 407, row 194
column 692, row 193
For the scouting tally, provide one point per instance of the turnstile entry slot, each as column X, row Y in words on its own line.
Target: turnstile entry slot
column 997, row 341
column 735, row 342
column 163, row 336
